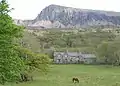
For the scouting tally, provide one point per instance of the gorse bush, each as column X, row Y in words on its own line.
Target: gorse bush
column 33, row 61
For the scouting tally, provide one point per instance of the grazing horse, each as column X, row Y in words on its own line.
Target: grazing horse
column 75, row 80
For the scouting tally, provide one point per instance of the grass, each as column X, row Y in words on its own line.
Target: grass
column 61, row 75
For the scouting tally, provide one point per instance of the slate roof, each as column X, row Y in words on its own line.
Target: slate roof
column 76, row 54
column 73, row 54
column 88, row 55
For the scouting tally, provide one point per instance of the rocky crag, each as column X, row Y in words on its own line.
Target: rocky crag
column 55, row 16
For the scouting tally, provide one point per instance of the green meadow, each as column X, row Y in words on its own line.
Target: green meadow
column 61, row 75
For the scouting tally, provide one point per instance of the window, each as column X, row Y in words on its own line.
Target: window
column 65, row 60
column 65, row 55
column 71, row 60
column 58, row 60
column 58, row 55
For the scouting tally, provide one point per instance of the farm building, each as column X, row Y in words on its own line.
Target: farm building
column 73, row 57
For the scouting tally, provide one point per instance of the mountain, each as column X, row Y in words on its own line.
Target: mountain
column 55, row 16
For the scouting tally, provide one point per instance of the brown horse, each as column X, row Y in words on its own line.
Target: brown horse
column 75, row 80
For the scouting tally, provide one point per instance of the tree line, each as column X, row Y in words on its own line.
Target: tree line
column 105, row 44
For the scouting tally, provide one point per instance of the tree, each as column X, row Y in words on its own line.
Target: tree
column 33, row 61
column 29, row 41
column 109, row 51
column 10, row 63
column 117, row 55
column 69, row 39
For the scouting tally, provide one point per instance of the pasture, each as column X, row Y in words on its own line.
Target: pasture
column 61, row 75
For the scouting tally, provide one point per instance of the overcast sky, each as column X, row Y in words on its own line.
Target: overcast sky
column 29, row 9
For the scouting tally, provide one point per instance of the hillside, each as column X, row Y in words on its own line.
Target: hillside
column 55, row 16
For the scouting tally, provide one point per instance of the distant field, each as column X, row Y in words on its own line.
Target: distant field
column 61, row 75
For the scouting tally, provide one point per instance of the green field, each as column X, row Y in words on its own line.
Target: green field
column 61, row 75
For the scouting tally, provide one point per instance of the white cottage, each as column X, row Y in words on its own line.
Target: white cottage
column 73, row 57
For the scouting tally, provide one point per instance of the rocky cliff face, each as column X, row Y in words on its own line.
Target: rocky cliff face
column 23, row 22
column 55, row 16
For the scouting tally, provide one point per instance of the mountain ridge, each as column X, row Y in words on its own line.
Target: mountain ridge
column 56, row 16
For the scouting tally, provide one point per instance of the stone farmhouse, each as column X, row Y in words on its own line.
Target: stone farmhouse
column 73, row 58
